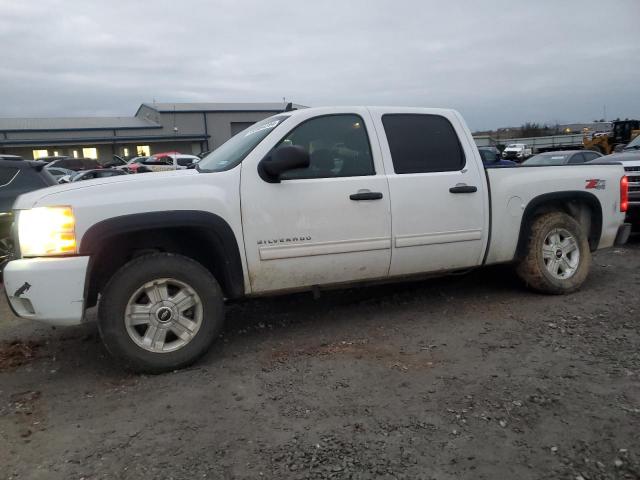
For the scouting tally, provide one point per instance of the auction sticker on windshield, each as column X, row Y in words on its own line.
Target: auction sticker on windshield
column 266, row 126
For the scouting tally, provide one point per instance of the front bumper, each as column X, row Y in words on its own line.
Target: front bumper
column 50, row 290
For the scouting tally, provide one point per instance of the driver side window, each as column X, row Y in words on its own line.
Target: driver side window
column 338, row 146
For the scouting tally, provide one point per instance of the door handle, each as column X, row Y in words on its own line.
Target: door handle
column 366, row 196
column 463, row 189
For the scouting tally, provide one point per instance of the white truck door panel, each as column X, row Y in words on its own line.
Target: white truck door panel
column 438, row 208
column 307, row 230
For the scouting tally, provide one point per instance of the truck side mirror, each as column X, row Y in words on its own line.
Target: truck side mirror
column 282, row 159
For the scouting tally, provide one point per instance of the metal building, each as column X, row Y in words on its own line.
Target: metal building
column 156, row 127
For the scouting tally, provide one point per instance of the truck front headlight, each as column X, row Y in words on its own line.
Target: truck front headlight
column 45, row 231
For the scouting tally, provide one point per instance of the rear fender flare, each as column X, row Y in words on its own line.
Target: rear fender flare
column 563, row 198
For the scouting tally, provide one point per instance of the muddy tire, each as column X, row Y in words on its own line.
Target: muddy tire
column 160, row 312
column 557, row 256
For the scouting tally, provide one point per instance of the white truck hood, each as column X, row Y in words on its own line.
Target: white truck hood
column 131, row 182
column 96, row 200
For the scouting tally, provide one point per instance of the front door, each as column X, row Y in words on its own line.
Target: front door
column 325, row 224
column 438, row 190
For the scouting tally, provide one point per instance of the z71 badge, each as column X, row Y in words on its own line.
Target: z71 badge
column 596, row 183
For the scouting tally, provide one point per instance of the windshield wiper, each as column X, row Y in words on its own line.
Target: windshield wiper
column 632, row 147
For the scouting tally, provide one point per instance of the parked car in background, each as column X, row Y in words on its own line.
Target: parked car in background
column 517, row 152
column 16, row 178
column 491, row 158
column 51, row 158
column 59, row 172
column 630, row 160
column 115, row 162
column 160, row 162
column 91, row 174
column 562, row 157
column 6, row 156
column 135, row 165
column 75, row 164
column 633, row 145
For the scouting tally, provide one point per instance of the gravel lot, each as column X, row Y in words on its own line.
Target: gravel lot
column 463, row 377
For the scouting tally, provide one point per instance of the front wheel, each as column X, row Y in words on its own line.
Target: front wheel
column 160, row 312
column 557, row 255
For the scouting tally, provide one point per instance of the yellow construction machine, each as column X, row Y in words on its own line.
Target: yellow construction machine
column 623, row 132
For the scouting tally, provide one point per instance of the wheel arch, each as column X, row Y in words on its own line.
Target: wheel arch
column 202, row 236
column 583, row 206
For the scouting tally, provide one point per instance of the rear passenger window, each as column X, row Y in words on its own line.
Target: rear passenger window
column 590, row 156
column 71, row 164
column 421, row 143
column 577, row 158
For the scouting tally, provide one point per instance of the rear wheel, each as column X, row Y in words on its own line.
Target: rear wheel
column 557, row 255
column 160, row 312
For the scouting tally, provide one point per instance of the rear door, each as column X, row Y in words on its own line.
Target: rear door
column 438, row 193
column 326, row 224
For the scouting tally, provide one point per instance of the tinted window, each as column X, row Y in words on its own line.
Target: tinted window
column 88, row 164
column 6, row 175
column 185, row 161
column 422, row 143
column 590, row 156
column 70, row 163
column 577, row 158
column 487, row 156
column 547, row 159
column 159, row 161
column 338, row 146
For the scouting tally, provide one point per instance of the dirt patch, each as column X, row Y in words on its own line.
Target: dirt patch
column 362, row 349
column 17, row 353
column 27, row 411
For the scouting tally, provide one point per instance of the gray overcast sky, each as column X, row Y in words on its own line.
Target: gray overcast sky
column 500, row 63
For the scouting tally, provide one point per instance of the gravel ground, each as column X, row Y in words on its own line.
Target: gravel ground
column 463, row 377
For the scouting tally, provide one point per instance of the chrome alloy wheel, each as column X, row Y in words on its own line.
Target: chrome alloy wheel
column 163, row 315
column 560, row 253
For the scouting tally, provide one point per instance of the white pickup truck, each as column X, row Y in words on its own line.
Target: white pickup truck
column 517, row 151
column 302, row 200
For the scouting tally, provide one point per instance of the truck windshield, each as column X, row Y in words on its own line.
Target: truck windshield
column 635, row 144
column 234, row 150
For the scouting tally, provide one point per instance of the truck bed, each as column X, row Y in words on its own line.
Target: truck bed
column 512, row 191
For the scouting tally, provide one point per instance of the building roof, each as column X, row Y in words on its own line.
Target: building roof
column 74, row 123
column 220, row 107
